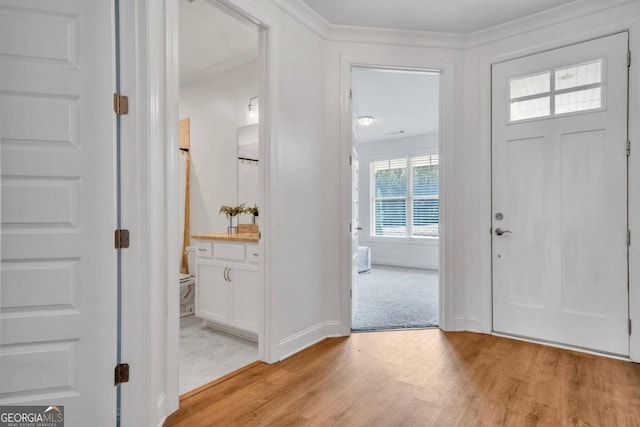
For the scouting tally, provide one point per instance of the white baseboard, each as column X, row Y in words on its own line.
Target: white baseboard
column 251, row 336
column 161, row 407
column 396, row 263
column 469, row 324
column 308, row 337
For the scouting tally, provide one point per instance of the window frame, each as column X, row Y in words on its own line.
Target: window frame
column 552, row 93
column 408, row 199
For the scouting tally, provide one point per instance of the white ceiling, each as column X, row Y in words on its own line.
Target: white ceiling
column 211, row 40
column 447, row 16
column 398, row 101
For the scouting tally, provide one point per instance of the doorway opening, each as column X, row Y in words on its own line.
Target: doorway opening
column 395, row 198
column 220, row 192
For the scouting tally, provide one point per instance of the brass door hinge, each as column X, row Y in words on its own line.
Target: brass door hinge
column 120, row 104
column 122, row 239
column 121, row 373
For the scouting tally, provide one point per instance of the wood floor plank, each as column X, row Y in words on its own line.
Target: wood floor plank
column 422, row 378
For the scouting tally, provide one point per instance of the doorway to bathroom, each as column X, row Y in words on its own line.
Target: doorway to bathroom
column 395, row 198
column 220, row 192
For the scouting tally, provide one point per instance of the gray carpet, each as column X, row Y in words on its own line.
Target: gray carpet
column 396, row 298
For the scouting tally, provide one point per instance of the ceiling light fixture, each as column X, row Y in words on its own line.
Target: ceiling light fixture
column 252, row 110
column 365, row 120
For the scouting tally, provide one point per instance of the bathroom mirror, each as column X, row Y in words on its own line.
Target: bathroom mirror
column 248, row 177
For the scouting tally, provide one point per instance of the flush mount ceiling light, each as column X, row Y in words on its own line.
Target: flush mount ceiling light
column 365, row 120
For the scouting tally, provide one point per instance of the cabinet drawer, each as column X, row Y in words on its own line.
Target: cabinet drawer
column 229, row 251
column 204, row 249
column 253, row 254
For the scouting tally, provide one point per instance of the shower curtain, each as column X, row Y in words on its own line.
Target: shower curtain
column 184, row 207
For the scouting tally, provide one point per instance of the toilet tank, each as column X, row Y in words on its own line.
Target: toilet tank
column 191, row 260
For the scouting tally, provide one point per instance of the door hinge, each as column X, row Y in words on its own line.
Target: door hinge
column 628, row 148
column 350, row 293
column 628, row 237
column 121, row 373
column 629, row 59
column 350, row 93
column 120, row 104
column 350, row 227
column 629, row 326
column 122, row 239
column 350, row 160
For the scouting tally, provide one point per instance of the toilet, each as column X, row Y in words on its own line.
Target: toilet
column 187, row 285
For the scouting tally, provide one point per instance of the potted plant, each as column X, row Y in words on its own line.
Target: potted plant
column 252, row 211
column 231, row 212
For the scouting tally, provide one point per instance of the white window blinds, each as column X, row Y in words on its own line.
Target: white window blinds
column 405, row 197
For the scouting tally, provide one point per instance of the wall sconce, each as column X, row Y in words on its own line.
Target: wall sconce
column 252, row 110
column 365, row 120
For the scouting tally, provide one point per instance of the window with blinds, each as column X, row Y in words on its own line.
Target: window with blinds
column 405, row 197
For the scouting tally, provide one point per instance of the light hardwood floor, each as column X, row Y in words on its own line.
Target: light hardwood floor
column 422, row 378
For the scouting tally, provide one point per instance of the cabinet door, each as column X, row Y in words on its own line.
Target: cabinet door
column 212, row 292
column 244, row 297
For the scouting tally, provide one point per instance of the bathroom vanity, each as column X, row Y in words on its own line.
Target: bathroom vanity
column 227, row 282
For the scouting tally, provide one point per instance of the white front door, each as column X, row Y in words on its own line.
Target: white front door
column 58, row 288
column 560, row 196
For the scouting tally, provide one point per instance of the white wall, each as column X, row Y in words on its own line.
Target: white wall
column 303, row 263
column 401, row 252
column 217, row 107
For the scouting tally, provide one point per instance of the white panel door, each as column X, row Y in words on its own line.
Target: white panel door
column 560, row 196
column 58, row 288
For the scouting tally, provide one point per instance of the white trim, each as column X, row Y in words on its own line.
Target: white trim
column 308, row 337
column 347, row 33
column 306, row 16
column 468, row 324
column 634, row 192
column 546, row 18
column 447, row 91
column 396, row 263
column 138, row 310
column 172, row 203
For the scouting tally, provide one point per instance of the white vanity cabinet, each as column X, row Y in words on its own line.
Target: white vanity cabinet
column 227, row 285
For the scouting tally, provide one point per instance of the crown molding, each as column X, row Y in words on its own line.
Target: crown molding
column 348, row 33
column 546, row 18
column 308, row 17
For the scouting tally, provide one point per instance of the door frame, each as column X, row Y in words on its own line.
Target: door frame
column 446, row 67
column 266, row 351
column 632, row 26
column 151, row 203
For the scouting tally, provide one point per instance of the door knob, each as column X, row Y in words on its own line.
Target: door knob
column 500, row 231
column 359, row 228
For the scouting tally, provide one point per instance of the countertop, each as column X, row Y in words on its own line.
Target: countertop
column 235, row 237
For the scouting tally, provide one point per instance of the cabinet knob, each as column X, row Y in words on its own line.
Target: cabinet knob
column 255, row 254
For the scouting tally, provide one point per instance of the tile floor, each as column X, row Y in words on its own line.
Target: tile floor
column 207, row 354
